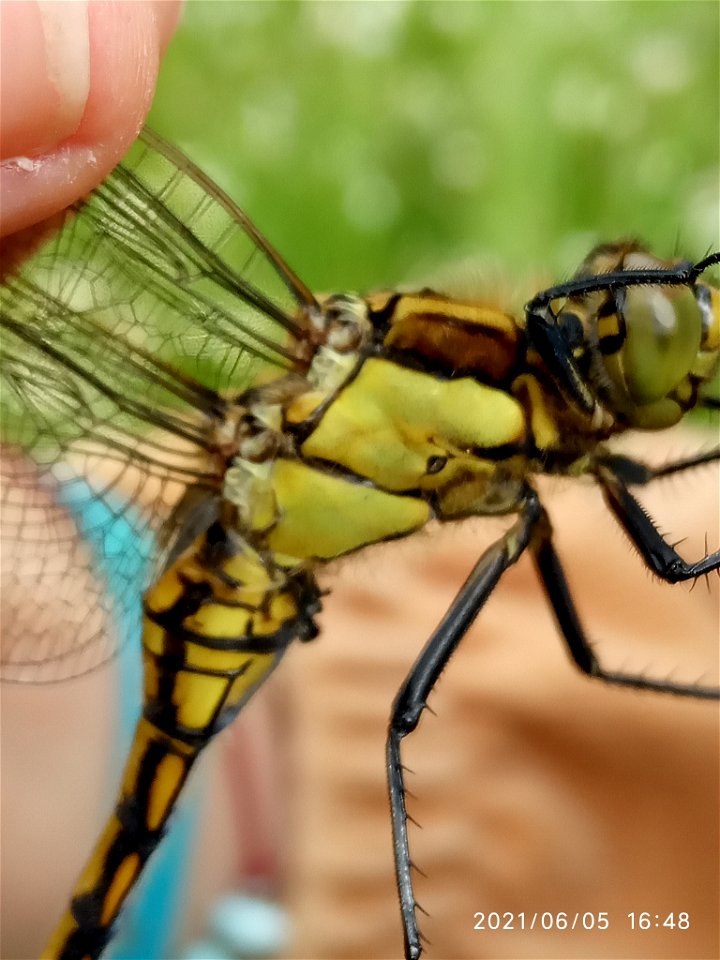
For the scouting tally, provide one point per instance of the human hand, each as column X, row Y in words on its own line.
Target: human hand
column 77, row 83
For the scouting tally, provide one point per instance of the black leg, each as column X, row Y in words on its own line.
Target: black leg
column 614, row 475
column 680, row 274
column 558, row 592
column 634, row 473
column 412, row 697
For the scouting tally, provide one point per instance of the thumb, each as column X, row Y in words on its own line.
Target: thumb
column 77, row 82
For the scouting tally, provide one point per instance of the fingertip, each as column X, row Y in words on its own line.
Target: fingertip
column 167, row 15
column 45, row 72
column 126, row 41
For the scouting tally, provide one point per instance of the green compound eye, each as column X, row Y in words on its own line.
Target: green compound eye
column 661, row 343
column 664, row 329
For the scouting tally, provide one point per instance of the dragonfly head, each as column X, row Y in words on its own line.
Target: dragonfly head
column 644, row 349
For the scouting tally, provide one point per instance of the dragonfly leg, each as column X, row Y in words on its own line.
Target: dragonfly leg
column 614, row 474
column 412, row 697
column 556, row 587
column 635, row 473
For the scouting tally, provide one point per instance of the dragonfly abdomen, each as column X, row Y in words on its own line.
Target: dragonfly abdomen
column 216, row 624
column 154, row 775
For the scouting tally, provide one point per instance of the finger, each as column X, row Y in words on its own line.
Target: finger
column 77, row 84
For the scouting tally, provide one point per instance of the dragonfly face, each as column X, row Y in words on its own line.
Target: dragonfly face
column 645, row 349
column 163, row 366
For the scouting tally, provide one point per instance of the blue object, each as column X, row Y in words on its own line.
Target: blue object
column 250, row 927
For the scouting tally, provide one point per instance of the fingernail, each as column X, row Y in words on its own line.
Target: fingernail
column 45, row 73
column 67, row 52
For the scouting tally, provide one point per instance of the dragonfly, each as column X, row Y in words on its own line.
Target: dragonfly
column 162, row 362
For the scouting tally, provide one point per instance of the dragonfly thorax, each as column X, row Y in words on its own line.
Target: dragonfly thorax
column 340, row 329
column 341, row 323
column 247, row 486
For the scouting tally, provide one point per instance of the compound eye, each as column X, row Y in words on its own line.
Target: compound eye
column 663, row 333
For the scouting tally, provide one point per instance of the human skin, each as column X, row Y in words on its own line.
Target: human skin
column 77, row 83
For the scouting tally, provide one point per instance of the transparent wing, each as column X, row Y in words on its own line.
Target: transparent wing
column 123, row 329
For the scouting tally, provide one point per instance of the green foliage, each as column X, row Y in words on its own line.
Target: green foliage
column 374, row 141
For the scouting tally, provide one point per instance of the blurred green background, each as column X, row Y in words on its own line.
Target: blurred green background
column 374, row 142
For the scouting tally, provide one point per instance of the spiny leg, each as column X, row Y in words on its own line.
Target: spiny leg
column 412, row 697
column 635, row 473
column 558, row 592
column 614, row 475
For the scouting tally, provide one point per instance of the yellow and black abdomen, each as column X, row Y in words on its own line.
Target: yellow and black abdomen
column 215, row 625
